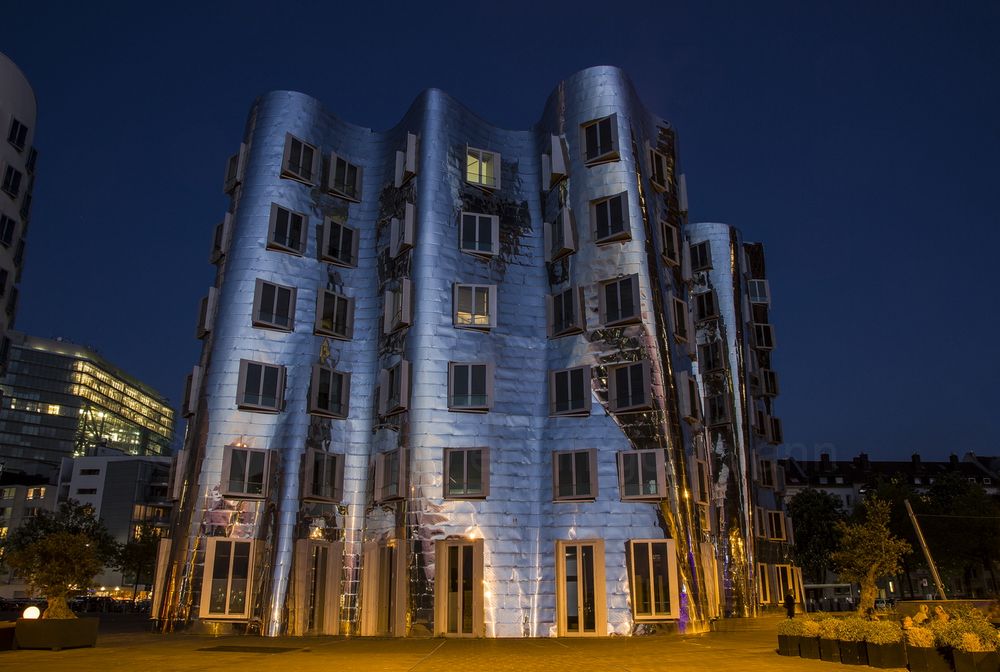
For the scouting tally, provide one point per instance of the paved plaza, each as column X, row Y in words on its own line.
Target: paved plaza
column 746, row 649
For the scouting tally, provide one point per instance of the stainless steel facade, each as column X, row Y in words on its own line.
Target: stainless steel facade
column 512, row 561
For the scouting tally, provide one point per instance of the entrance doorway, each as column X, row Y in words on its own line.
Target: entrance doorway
column 458, row 588
column 383, row 601
column 318, row 567
column 580, row 589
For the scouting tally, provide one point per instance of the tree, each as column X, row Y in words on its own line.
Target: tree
column 869, row 550
column 815, row 514
column 137, row 558
column 60, row 552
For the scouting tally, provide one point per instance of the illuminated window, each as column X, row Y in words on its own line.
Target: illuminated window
column 569, row 391
column 641, row 474
column 467, row 473
column 340, row 243
column 574, row 475
column 245, row 471
column 345, row 179
column 226, row 584
column 628, row 387
column 560, row 235
column 17, row 135
column 7, row 228
column 609, row 219
column 52, row 409
column 11, row 181
column 600, row 140
column 658, row 172
column 329, row 391
column 35, row 493
column 324, row 476
column 7, row 493
column 653, row 578
column 482, row 167
column 480, row 234
column 394, row 388
column 273, row 306
column 470, row 387
column 398, row 307
column 3, row 532
column 618, row 301
column 287, row 232
column 300, row 161
column 701, row 256
column 566, row 313
column 261, row 386
column 334, row 315
column 475, row 306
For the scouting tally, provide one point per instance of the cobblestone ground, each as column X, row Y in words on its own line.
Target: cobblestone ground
column 746, row 649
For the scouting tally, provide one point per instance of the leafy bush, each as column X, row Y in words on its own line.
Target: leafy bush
column 810, row 628
column 852, row 629
column 793, row 627
column 883, row 632
column 830, row 628
column 954, row 631
column 921, row 638
column 973, row 644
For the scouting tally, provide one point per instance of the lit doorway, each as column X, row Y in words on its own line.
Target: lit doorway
column 383, row 601
column 458, row 588
column 316, row 594
column 580, row 588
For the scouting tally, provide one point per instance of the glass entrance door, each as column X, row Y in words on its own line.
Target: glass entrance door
column 580, row 570
column 315, row 610
column 459, row 589
column 316, row 587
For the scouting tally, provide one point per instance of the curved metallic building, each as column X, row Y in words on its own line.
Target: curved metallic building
column 447, row 382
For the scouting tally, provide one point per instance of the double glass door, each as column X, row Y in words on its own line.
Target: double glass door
column 581, row 588
column 459, row 588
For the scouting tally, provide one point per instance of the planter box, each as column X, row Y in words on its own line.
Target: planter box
column 788, row 645
column 887, row 655
column 809, row 647
column 853, row 653
column 921, row 659
column 986, row 661
column 829, row 650
column 6, row 635
column 55, row 633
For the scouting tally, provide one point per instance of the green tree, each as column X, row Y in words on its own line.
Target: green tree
column 137, row 558
column 815, row 514
column 59, row 553
column 868, row 550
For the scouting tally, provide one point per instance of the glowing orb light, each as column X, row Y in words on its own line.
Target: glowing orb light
column 31, row 613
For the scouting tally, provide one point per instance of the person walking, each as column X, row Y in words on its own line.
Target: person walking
column 790, row 604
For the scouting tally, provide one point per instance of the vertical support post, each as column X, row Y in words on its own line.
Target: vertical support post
column 927, row 552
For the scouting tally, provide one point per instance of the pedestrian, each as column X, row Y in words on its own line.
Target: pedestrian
column 790, row 604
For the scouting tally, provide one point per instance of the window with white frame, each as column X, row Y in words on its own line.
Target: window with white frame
column 671, row 243
column 763, row 336
column 234, row 169
column 717, row 409
column 324, row 478
column 467, row 473
column 761, row 422
column 394, row 388
column 390, row 475
column 760, row 292
column 480, row 234
column 761, row 526
column 329, row 391
column 261, row 386
column 300, row 161
column 226, row 589
column 653, row 578
column 11, row 181
column 470, row 386
column 618, row 301
column 287, row 230
column 345, row 179
column 641, row 474
column 398, row 307
column 776, row 435
column 334, row 315
column 710, row 357
column 574, row 475
column 475, row 306
column 560, row 235
column 768, row 383
column 600, row 140
column 17, row 135
column 566, row 314
column 764, row 584
column 401, row 232
column 658, row 170
column 609, row 217
column 701, row 256
column 569, row 391
column 628, row 387
column 776, row 525
column 767, row 473
column 245, row 471
column 340, row 243
column 690, row 398
column 705, row 307
column 682, row 331
column 273, row 306
column 482, row 168
column 7, row 227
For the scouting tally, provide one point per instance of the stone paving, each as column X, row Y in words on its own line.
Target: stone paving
column 746, row 649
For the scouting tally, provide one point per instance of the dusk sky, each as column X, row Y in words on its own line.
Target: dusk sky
column 857, row 140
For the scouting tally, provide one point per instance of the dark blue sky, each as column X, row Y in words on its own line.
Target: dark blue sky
column 858, row 140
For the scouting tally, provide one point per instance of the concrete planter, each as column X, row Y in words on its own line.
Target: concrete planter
column 55, row 633
column 788, row 645
column 985, row 661
column 887, row 655
column 809, row 647
column 853, row 653
column 829, row 650
column 928, row 659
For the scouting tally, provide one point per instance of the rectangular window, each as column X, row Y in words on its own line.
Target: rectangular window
column 390, row 475
column 329, row 391
column 763, row 336
column 653, row 575
column 574, row 475
column 569, row 391
column 776, row 434
column 658, row 172
column 245, row 471
column 776, row 525
column 628, row 387
column 618, row 301
column 482, row 168
column 406, row 161
column 566, row 313
column 192, row 387
column 234, row 169
column 764, row 584
column 29, row 165
column 610, row 219
column 206, row 313
column 671, row 243
column 761, row 422
column 401, row 232
column 600, row 140
column 397, row 307
column 287, row 230
column 475, row 306
column 11, row 306
column 86, row 491
column 300, row 161
column 394, row 388
column 704, row 485
column 324, row 478
column 226, row 583
column 7, row 227
column 690, row 397
column 334, row 315
column 682, row 332
column 11, row 181
column 90, row 472
column 17, row 136
column 760, row 292
column 768, row 383
column 3, row 286
column 273, row 306
column 480, row 234
column 7, row 493
column 261, row 386
column 220, row 239
column 705, row 307
column 345, row 179
column 767, row 473
column 701, row 256
column 340, row 243
column 470, row 386
column 467, row 473
column 710, row 357
column 641, row 474
column 560, row 236
column 555, row 163
column 717, row 409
